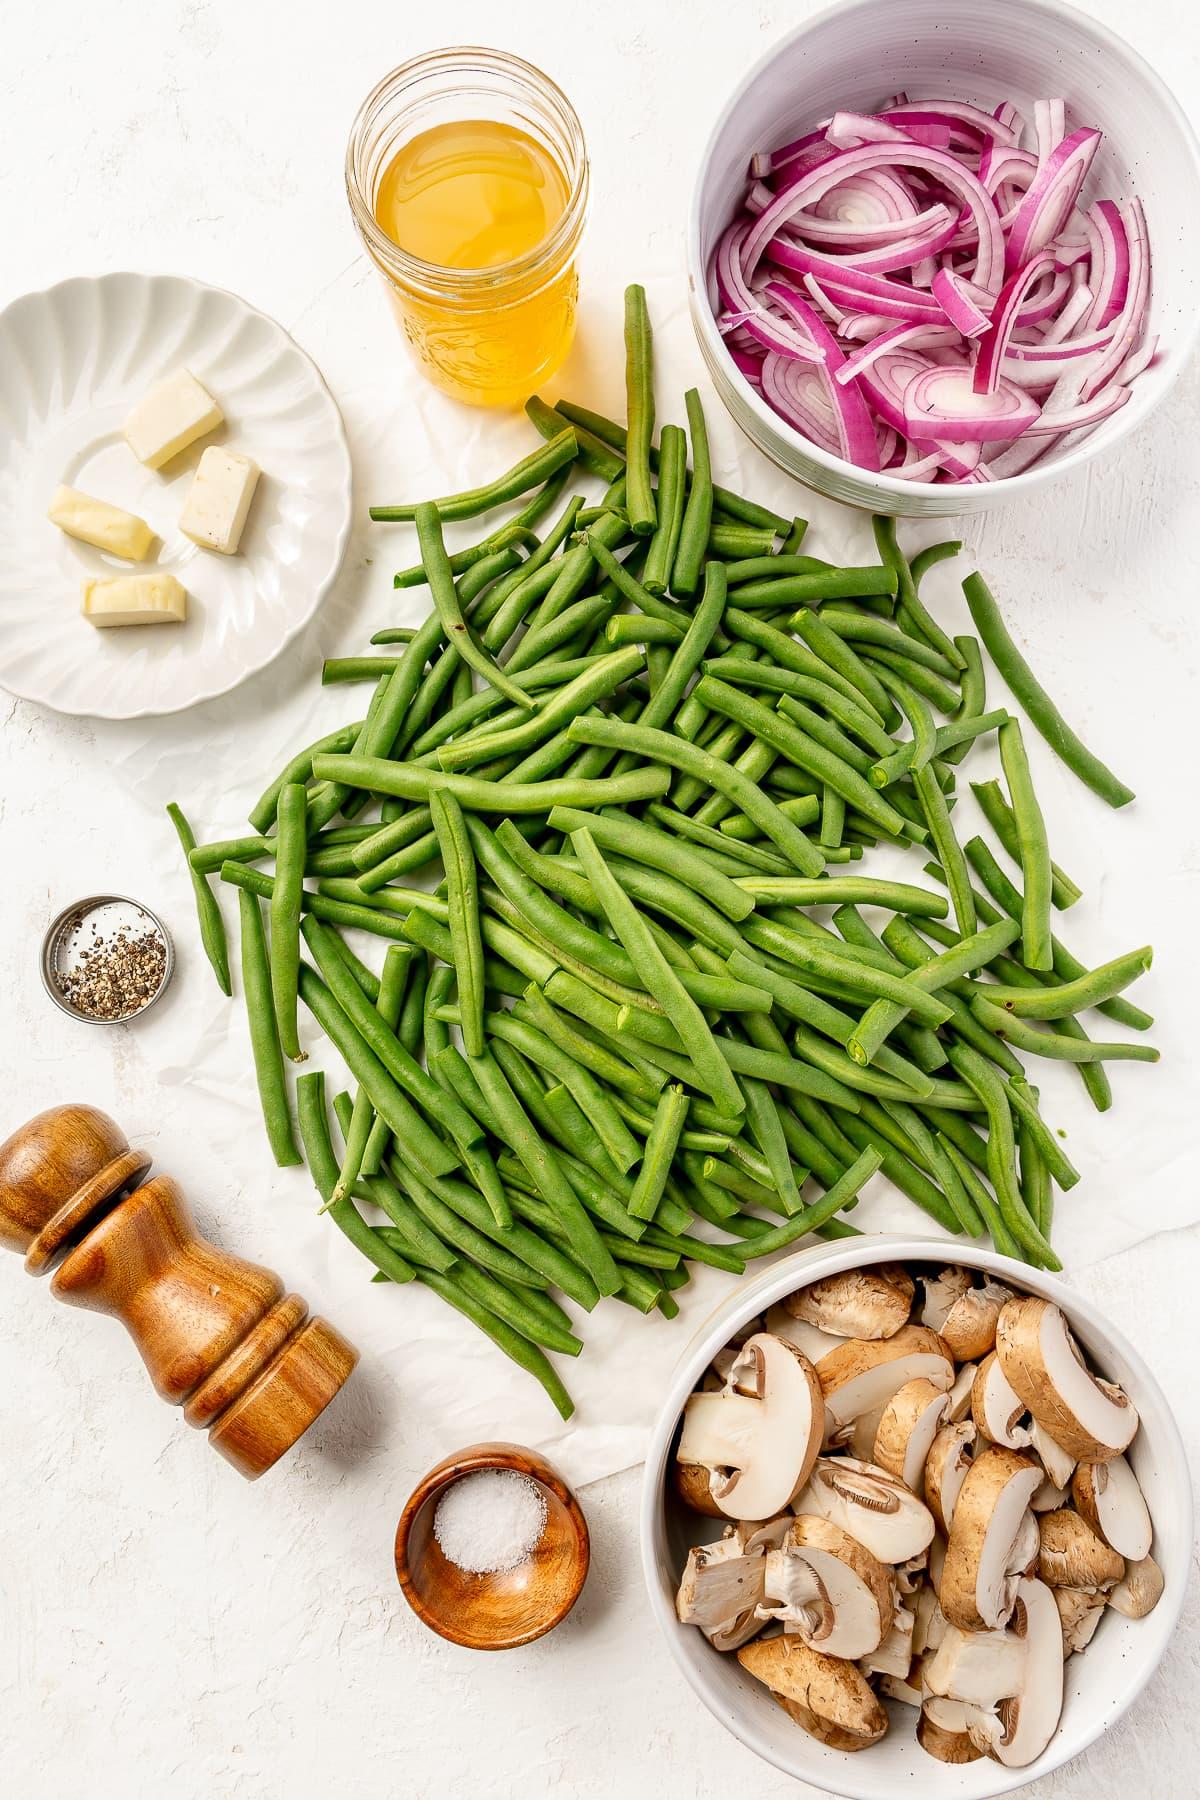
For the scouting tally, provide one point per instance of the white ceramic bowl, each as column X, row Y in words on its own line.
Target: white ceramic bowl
column 978, row 50
column 1100, row 1684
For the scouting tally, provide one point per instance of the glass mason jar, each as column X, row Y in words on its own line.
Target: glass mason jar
column 487, row 336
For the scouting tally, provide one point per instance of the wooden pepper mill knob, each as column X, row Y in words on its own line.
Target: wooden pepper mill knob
column 219, row 1335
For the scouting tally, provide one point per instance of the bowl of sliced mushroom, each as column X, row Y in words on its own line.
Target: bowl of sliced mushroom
column 934, row 1512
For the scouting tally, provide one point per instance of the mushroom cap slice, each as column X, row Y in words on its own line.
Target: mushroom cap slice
column 1140, row 1591
column 825, row 1588
column 945, row 1746
column 1079, row 1614
column 829, row 1697
column 893, row 1657
column 859, row 1303
column 1058, row 1463
column 694, row 1486
column 942, row 1293
column 970, row 1327
column 1017, row 1732
column 814, row 1342
column 760, row 1435
column 878, row 1511
column 1049, row 1497
column 907, row 1428
column 929, row 1621
column 898, row 1687
column 722, row 1583
column 996, row 1407
column 959, row 1397
column 946, row 1469
column 1107, row 1495
column 1092, row 1419
column 1071, row 1555
column 864, row 1373
column 977, row 1667
column 988, row 1545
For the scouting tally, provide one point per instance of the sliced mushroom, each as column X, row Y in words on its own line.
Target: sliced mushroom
column 907, row 1429
column 1109, row 1498
column 825, row 1588
column 1140, row 1591
column 859, row 1303
column 758, row 1437
column 977, row 1667
column 1079, row 1614
column 959, row 1397
column 970, row 1327
column 942, row 1293
column 877, row 1510
column 1049, row 1497
column 723, row 1583
column 1092, row 1419
column 694, row 1487
column 814, row 1342
column 1058, row 1463
column 996, row 1408
column 929, row 1622
column 910, row 1574
column 893, row 1656
column 861, row 1374
column 988, row 1544
column 946, row 1469
column 937, row 1561
column 897, row 1687
column 946, row 1746
column 859, row 1436
column 830, row 1698
column 1071, row 1555
column 1018, row 1728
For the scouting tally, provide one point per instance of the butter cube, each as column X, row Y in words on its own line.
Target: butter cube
column 96, row 522
column 170, row 417
column 219, row 499
column 135, row 600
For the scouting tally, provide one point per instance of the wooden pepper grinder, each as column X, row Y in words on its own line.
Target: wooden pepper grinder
column 219, row 1336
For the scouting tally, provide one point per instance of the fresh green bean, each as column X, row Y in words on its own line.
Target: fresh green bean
column 591, row 453
column 669, row 1116
column 697, row 517
column 639, row 400
column 364, row 1121
column 843, row 1193
column 601, row 678
column 449, row 607
column 1072, row 996
column 208, row 912
column 830, row 890
column 264, row 1034
column 262, row 814
column 949, row 851
column 672, row 482
column 322, row 1163
column 286, row 893
column 1035, row 852
column 530, row 472
column 1001, row 1152
column 462, row 893
column 1053, row 1043
column 836, row 654
column 984, row 1201
column 1001, row 818
column 912, row 612
column 659, row 978
column 780, row 590
column 972, row 952
column 1035, row 702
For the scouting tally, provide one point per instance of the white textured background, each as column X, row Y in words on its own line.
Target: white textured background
column 166, row 1630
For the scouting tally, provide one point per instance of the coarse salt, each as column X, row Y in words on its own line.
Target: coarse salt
column 490, row 1521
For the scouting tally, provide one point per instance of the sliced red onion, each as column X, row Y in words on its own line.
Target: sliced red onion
column 1051, row 195
column 940, row 163
column 945, row 403
column 961, row 315
column 949, row 290
column 1004, row 318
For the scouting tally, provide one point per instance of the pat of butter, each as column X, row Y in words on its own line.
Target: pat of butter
column 135, row 600
column 170, row 417
column 96, row 522
column 219, row 499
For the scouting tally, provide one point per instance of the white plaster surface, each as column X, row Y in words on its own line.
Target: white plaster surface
column 166, row 1630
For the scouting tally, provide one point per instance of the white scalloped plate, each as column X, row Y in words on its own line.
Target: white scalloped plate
column 76, row 359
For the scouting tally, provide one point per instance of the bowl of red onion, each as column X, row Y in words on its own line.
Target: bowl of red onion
column 941, row 251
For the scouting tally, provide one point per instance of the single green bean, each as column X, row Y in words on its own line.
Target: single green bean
column 286, row 894
column 912, row 612
column 1034, row 701
column 264, row 1034
column 639, row 403
column 530, row 472
column 591, row 452
column 1053, row 1043
column 661, row 1143
column 1035, row 851
column 449, row 607
column 208, row 912
column 697, row 517
column 830, row 890
column 1001, row 818
column 474, row 794
column 672, row 486
column 462, row 894
column 949, row 850
column 322, row 1163
column 364, row 1120
column 1072, row 996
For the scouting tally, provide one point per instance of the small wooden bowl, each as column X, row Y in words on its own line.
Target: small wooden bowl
column 500, row 1610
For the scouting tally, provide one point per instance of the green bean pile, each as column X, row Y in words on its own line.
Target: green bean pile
column 613, row 1040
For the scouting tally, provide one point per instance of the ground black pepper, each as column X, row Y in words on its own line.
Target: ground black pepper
column 115, row 976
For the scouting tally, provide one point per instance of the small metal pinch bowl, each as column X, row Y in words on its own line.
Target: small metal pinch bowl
column 497, row 1609
column 72, row 974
